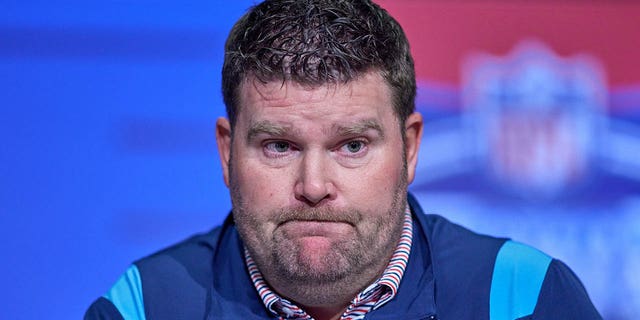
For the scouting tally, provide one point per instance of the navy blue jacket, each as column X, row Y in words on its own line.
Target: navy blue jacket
column 452, row 273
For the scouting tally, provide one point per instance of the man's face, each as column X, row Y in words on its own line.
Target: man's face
column 318, row 177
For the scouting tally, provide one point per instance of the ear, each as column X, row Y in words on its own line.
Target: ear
column 413, row 137
column 223, row 138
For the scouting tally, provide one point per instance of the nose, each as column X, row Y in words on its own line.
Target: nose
column 314, row 183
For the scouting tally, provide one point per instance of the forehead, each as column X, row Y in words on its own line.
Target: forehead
column 369, row 94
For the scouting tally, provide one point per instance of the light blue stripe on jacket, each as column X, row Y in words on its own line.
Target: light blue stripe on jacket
column 517, row 278
column 126, row 295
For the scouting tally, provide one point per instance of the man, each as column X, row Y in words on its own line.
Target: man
column 320, row 144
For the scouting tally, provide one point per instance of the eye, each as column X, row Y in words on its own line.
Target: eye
column 278, row 146
column 353, row 148
column 278, row 149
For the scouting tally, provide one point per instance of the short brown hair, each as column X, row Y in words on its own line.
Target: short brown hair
column 316, row 42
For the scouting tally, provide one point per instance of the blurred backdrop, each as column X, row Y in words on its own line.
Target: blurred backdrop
column 107, row 153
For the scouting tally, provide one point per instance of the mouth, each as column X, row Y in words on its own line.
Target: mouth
column 315, row 220
column 316, row 228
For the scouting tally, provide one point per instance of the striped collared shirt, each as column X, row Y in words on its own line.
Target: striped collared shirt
column 371, row 298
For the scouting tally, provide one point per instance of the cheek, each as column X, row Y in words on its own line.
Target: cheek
column 262, row 186
column 373, row 187
column 387, row 170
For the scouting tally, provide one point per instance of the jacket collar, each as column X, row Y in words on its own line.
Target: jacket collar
column 416, row 295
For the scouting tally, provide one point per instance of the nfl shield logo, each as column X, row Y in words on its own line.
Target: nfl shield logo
column 534, row 116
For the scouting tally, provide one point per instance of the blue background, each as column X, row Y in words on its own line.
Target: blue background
column 108, row 150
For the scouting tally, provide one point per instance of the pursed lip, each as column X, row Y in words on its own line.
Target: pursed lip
column 311, row 228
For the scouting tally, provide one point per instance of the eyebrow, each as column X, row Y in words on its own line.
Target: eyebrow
column 276, row 129
column 359, row 127
column 267, row 127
